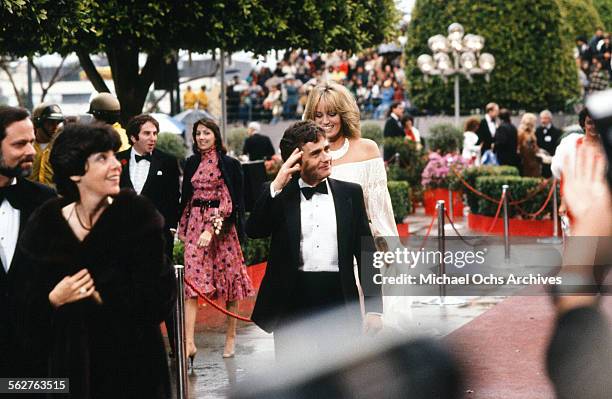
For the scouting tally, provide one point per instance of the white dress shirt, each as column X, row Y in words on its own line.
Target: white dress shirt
column 492, row 125
column 9, row 231
column 319, row 234
column 138, row 171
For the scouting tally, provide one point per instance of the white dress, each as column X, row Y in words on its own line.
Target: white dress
column 372, row 177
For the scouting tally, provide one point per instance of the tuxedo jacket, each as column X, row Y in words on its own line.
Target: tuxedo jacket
column 258, row 147
column 31, row 196
column 393, row 128
column 506, row 141
column 161, row 186
column 484, row 135
column 279, row 218
column 551, row 144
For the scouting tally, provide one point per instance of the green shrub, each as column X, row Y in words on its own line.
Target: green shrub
column 254, row 251
column 445, row 138
column 520, row 188
column 581, row 16
column 235, row 140
column 604, row 8
column 372, row 131
column 521, row 34
column 411, row 160
column 471, row 174
column 172, row 144
column 400, row 199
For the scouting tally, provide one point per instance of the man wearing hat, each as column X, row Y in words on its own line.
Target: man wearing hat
column 47, row 119
column 106, row 108
column 257, row 146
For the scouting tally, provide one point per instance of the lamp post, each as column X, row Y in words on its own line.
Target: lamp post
column 456, row 54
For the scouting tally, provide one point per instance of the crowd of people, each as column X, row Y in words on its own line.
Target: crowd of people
column 375, row 81
column 593, row 61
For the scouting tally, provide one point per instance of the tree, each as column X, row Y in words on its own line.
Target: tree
column 604, row 8
column 530, row 41
column 125, row 29
column 581, row 16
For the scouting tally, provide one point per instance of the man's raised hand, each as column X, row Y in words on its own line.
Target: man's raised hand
column 288, row 168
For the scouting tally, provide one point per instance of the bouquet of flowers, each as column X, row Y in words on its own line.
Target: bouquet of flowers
column 437, row 172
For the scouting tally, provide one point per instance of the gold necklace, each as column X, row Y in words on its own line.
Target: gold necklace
column 79, row 219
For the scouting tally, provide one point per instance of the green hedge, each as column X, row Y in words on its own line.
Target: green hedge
column 400, row 199
column 445, row 138
column 172, row 144
column 604, row 8
column 235, row 139
column 411, row 161
column 372, row 131
column 581, row 16
column 521, row 34
column 254, row 251
column 471, row 174
column 519, row 188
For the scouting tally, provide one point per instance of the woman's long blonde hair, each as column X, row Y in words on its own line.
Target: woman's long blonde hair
column 527, row 127
column 338, row 99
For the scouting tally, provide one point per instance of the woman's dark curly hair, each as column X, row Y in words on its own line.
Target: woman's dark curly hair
column 71, row 149
column 209, row 123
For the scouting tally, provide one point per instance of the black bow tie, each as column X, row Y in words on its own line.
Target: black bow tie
column 319, row 188
column 141, row 157
column 10, row 194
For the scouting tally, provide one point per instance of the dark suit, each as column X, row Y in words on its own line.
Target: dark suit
column 506, row 142
column 484, row 135
column 161, row 187
column 31, row 196
column 279, row 217
column 548, row 139
column 393, row 128
column 258, row 147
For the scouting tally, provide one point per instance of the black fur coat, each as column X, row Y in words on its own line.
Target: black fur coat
column 113, row 350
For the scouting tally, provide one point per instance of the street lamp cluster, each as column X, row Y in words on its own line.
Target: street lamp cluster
column 456, row 54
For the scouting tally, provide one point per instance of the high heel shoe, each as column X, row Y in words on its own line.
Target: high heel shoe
column 229, row 347
column 192, row 350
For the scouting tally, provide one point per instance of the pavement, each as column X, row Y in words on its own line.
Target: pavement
column 213, row 376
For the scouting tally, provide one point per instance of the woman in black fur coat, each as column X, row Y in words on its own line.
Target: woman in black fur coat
column 97, row 285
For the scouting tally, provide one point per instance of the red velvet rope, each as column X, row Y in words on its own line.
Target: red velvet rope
column 501, row 202
column 533, row 215
column 216, row 306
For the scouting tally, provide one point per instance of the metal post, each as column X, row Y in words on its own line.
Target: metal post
column 30, row 100
column 182, row 384
column 555, row 211
column 223, row 97
column 456, row 98
column 442, row 267
column 506, row 223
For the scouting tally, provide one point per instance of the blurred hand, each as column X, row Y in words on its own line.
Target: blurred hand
column 288, row 168
column 72, row 288
column 372, row 324
column 587, row 194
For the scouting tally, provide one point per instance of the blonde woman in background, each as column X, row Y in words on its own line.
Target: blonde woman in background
column 358, row 160
column 528, row 149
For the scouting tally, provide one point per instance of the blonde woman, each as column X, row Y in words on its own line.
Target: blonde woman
column 357, row 160
column 528, row 146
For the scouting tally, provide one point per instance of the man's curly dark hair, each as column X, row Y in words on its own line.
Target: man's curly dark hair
column 297, row 135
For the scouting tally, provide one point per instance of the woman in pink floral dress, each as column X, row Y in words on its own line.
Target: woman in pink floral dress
column 211, row 227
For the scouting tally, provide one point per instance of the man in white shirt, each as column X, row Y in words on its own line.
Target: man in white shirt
column 19, row 197
column 317, row 226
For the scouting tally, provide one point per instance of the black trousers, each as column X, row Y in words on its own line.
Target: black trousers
column 317, row 315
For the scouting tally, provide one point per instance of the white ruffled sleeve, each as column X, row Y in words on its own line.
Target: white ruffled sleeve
column 378, row 200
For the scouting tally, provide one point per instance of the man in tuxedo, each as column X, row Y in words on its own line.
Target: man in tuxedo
column 19, row 197
column 155, row 175
column 317, row 225
column 505, row 141
column 257, row 146
column 548, row 138
column 393, row 125
column 487, row 128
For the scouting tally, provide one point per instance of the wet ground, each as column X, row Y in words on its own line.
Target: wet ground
column 212, row 375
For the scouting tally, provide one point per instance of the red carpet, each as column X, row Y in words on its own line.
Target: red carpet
column 503, row 350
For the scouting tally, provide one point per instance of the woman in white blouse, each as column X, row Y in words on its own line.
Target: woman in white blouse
column 357, row 160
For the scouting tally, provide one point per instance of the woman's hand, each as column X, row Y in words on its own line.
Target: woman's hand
column 204, row 239
column 72, row 288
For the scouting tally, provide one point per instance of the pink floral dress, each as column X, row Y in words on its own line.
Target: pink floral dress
column 218, row 270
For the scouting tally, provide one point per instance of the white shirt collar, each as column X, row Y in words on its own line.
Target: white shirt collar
column 302, row 183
